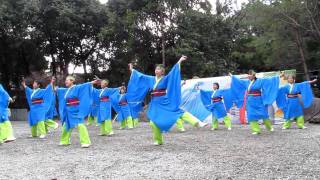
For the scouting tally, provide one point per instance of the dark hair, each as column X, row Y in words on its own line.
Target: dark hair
column 217, row 84
column 38, row 82
column 253, row 73
column 124, row 88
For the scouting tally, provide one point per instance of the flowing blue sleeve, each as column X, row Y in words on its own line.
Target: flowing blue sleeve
column 48, row 97
column 28, row 92
column 306, row 93
column 115, row 98
column 228, row 98
column 111, row 91
column 270, row 88
column 174, row 87
column 4, row 97
column 139, row 85
column 238, row 90
column 62, row 101
column 86, row 99
column 206, row 99
column 95, row 92
column 95, row 95
column 281, row 97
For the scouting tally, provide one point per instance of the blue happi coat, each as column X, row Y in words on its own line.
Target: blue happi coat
column 104, row 103
column 71, row 116
column 52, row 110
column 191, row 102
column 288, row 99
column 256, row 106
column 95, row 104
column 219, row 109
column 164, row 111
column 40, row 101
column 123, row 111
column 135, row 108
column 4, row 103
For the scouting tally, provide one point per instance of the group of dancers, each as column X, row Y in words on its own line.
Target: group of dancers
column 76, row 102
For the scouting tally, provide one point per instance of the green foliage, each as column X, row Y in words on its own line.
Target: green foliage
column 263, row 35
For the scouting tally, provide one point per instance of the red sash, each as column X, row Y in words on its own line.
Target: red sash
column 123, row 103
column 104, row 99
column 158, row 92
column 37, row 101
column 73, row 102
column 292, row 95
column 217, row 99
column 254, row 93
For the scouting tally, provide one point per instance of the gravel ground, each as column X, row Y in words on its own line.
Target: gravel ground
column 195, row 154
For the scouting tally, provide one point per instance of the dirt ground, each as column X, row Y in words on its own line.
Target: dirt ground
column 195, row 154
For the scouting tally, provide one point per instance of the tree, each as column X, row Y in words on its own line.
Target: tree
column 70, row 30
column 279, row 33
column 19, row 52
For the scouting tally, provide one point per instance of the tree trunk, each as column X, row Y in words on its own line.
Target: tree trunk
column 84, row 64
column 303, row 59
column 53, row 65
column 163, row 53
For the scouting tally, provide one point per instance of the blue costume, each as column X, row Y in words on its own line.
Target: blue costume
column 191, row 102
column 259, row 94
column 40, row 101
column 218, row 102
column 122, row 107
column 93, row 114
column 74, row 105
column 4, row 103
column 104, row 103
column 52, row 110
column 288, row 100
column 6, row 132
column 164, row 108
column 135, row 108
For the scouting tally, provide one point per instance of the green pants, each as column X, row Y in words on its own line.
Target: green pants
column 186, row 117
column 38, row 129
column 300, row 123
column 255, row 127
column 92, row 120
column 127, row 123
column 106, row 127
column 157, row 135
column 83, row 135
column 49, row 123
column 226, row 119
column 6, row 132
column 135, row 122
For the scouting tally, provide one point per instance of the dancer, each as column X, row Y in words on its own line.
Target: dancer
column 49, row 122
column 288, row 100
column 259, row 93
column 123, row 109
column 40, row 101
column 180, row 122
column 74, row 105
column 164, row 108
column 93, row 115
column 104, row 107
column 218, row 102
column 6, row 131
column 135, row 108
